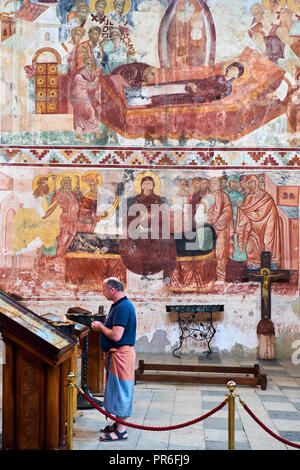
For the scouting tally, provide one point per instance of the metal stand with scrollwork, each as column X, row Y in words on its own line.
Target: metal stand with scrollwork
column 193, row 327
column 203, row 330
column 198, row 331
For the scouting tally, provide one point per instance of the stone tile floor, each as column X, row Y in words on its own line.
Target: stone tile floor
column 165, row 404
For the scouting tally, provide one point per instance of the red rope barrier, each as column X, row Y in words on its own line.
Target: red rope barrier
column 153, row 428
column 267, row 429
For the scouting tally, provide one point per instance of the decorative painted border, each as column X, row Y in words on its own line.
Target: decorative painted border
column 148, row 157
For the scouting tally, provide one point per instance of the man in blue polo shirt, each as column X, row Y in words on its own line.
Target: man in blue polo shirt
column 117, row 339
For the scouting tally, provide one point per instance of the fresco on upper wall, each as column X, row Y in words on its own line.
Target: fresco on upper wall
column 66, row 230
column 150, row 73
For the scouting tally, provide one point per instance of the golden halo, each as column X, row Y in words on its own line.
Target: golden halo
column 61, row 176
column 90, row 174
column 138, row 180
column 93, row 7
column 36, row 179
column 266, row 4
column 243, row 78
column 110, row 6
column 291, row 5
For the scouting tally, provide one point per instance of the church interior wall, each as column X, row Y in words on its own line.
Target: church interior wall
column 69, row 195
column 48, row 283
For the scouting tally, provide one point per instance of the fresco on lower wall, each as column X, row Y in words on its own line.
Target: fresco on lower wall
column 150, row 73
column 64, row 230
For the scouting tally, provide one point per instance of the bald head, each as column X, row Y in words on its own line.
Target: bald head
column 115, row 283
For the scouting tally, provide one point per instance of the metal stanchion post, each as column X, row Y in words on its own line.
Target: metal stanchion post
column 231, row 411
column 71, row 377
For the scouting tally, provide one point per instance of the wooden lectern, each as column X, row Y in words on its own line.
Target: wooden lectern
column 94, row 374
column 37, row 362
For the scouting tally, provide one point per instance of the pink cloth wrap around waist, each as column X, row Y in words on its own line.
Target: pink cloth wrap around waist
column 122, row 363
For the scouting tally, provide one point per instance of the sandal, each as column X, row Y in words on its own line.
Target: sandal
column 109, row 428
column 121, row 436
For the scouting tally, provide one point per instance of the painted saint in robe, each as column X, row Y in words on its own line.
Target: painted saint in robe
column 218, row 213
column 148, row 249
column 86, row 101
column 96, row 203
column 257, row 225
column 115, row 52
column 32, row 231
column 67, row 199
column 88, row 206
column 234, row 192
column 187, row 35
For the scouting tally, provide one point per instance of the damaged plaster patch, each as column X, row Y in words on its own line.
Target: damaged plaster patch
column 156, row 345
column 228, row 336
column 240, row 351
column 286, row 344
column 296, row 307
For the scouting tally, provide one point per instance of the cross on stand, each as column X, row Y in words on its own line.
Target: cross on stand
column 265, row 328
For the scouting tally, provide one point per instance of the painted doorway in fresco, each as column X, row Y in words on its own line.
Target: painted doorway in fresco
column 46, row 82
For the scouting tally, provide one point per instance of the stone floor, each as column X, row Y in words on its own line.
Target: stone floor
column 165, row 404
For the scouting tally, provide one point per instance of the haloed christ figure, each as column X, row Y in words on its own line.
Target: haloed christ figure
column 148, row 249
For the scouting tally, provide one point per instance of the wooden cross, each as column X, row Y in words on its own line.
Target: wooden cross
column 266, row 275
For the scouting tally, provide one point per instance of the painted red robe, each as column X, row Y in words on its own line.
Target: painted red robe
column 257, row 226
column 220, row 216
column 132, row 73
column 187, row 51
column 87, row 213
column 85, row 99
column 69, row 204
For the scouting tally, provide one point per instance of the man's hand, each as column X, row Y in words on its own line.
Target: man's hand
column 115, row 334
column 96, row 326
column 101, row 216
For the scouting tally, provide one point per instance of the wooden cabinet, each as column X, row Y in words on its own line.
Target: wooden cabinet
column 93, row 371
column 37, row 362
column 96, row 363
